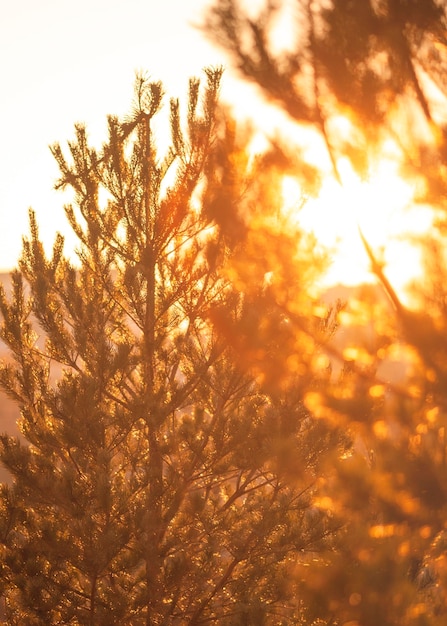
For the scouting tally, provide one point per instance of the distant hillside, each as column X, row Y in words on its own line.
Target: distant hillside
column 349, row 335
column 9, row 412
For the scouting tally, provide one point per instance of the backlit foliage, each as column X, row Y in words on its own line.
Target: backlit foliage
column 204, row 439
column 380, row 64
column 162, row 477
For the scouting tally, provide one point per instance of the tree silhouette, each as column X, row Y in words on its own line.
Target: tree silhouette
column 154, row 483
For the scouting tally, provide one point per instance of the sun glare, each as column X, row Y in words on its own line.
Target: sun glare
column 381, row 206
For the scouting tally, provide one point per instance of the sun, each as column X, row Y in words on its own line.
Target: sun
column 382, row 206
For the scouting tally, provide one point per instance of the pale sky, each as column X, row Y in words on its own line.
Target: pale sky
column 67, row 61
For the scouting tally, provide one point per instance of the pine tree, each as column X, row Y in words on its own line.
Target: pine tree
column 380, row 65
column 152, row 485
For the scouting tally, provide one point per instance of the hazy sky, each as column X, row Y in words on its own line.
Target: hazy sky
column 67, row 61
column 64, row 61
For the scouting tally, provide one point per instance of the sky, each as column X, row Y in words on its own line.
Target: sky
column 67, row 61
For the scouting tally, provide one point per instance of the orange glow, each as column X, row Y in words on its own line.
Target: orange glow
column 382, row 206
column 381, row 531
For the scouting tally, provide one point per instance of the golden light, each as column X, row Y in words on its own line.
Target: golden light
column 381, row 206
